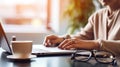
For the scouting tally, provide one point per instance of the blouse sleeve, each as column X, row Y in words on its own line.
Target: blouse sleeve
column 87, row 32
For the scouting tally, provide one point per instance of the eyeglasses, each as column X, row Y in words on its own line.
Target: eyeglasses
column 100, row 56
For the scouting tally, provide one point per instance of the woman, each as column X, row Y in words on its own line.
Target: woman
column 101, row 33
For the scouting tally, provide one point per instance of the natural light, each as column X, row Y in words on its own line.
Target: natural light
column 19, row 14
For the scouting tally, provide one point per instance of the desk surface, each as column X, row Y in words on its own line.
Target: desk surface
column 49, row 61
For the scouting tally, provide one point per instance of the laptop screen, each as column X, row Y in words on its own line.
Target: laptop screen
column 4, row 43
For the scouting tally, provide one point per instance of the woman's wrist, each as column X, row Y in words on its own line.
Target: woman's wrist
column 98, row 44
column 62, row 38
column 66, row 37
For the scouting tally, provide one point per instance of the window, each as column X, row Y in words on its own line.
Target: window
column 17, row 13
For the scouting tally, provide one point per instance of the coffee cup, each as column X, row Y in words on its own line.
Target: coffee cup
column 21, row 49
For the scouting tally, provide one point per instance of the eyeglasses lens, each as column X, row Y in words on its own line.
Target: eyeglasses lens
column 83, row 55
column 104, row 57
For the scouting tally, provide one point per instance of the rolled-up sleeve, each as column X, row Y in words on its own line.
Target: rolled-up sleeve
column 86, row 33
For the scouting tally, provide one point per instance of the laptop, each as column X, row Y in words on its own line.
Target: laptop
column 39, row 50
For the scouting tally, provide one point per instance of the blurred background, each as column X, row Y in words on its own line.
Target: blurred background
column 34, row 19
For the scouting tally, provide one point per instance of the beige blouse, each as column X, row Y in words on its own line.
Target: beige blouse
column 104, row 27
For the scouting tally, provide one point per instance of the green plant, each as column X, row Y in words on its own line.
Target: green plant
column 78, row 12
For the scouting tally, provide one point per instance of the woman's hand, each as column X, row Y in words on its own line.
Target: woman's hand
column 79, row 44
column 52, row 40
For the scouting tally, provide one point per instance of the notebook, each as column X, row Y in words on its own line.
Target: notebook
column 39, row 50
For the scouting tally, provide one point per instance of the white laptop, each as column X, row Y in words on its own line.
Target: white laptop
column 39, row 50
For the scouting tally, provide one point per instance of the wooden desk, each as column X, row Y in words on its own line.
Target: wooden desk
column 49, row 61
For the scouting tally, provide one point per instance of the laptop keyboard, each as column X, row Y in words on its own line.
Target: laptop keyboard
column 39, row 51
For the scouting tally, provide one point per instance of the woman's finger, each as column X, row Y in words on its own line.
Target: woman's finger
column 69, row 47
column 63, row 43
column 45, row 41
column 67, row 44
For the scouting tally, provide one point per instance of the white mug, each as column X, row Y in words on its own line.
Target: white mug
column 21, row 49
